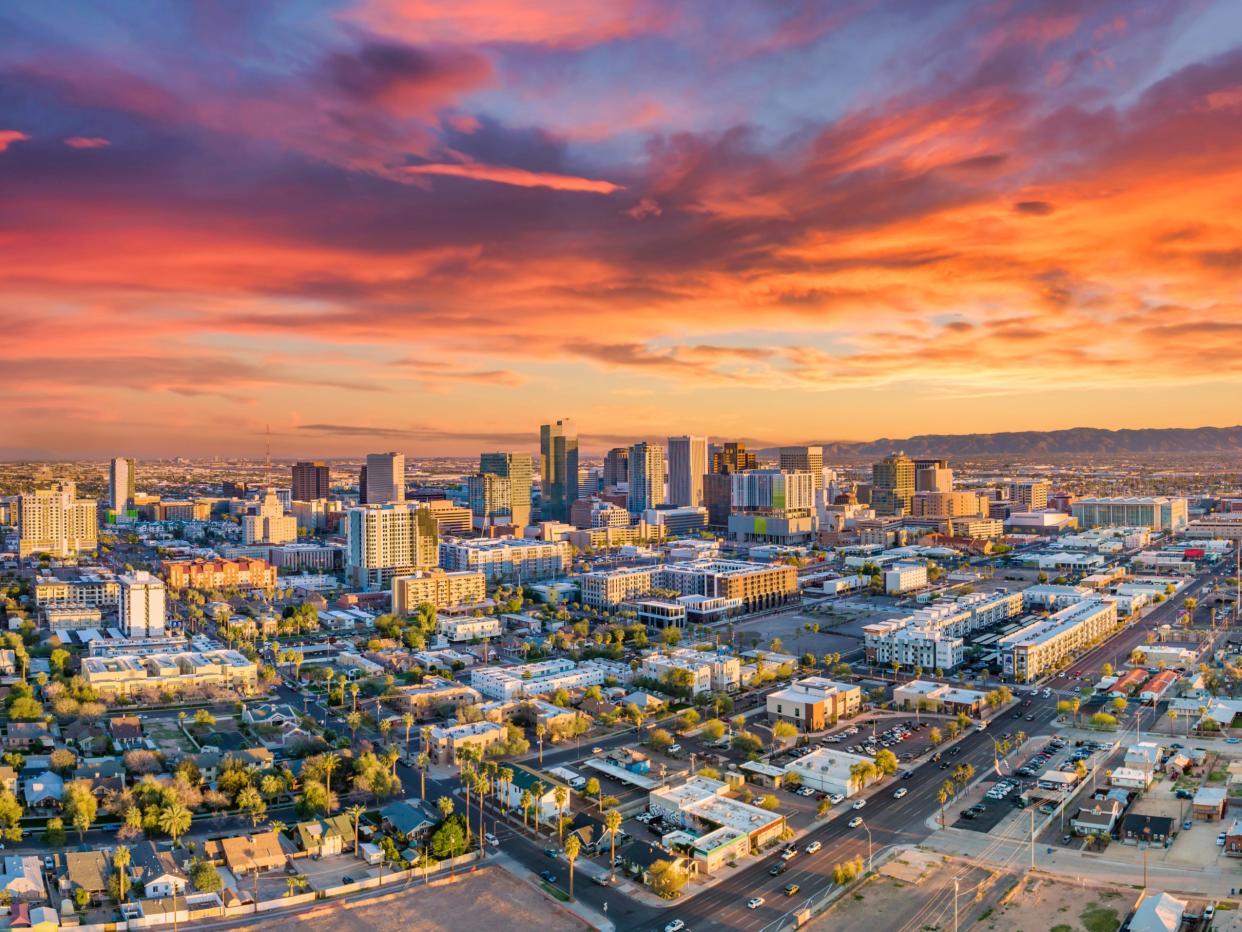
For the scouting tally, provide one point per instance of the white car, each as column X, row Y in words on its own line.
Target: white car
column 858, row 804
column 813, row 847
column 675, row 926
column 754, row 902
column 836, row 798
column 900, row 793
column 492, row 840
column 856, row 821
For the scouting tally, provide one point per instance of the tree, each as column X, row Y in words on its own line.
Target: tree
column 784, row 731
column 80, row 806
column 353, row 720
column 250, row 800
column 667, row 879
column 10, row 816
column 55, row 832
column 612, row 822
column 886, row 762
column 592, row 787
column 1107, row 669
column 540, row 730
column 204, row 876
column 573, row 848
column 175, row 820
column 356, row 811
column 120, row 861
column 658, row 739
column 330, row 761
column 942, row 797
column 204, row 719
column 935, row 736
column 824, row 807
column 526, row 802
column 770, row 803
column 561, row 795
column 423, row 762
column 713, row 729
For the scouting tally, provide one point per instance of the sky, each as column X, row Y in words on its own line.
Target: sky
column 432, row 226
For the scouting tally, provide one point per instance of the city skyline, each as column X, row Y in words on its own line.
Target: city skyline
column 380, row 225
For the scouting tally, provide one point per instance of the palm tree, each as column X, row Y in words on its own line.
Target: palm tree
column 561, row 795
column 506, row 779
column 385, row 727
column 540, row 730
column 527, row 801
column 612, row 821
column 942, row 796
column 537, row 793
column 353, row 720
column 445, row 805
column 294, row 884
column 174, row 820
column 425, row 733
column 481, row 784
column 356, row 811
column 408, row 721
column 423, row 762
column 120, row 861
column 277, row 826
column 353, row 692
column 573, row 848
column 330, row 760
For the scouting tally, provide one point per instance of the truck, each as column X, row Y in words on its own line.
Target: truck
column 574, row 780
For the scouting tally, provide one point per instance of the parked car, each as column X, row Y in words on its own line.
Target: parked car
column 859, row 804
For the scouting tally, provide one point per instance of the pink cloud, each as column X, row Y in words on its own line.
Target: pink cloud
column 86, row 142
column 518, row 177
column 10, row 136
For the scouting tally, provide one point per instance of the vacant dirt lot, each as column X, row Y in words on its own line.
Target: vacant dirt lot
column 1045, row 904
column 486, row 899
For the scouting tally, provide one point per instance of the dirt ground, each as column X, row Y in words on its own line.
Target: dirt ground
column 486, row 899
column 1047, row 905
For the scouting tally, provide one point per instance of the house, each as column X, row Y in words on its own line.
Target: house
column 8, row 779
column 103, row 774
column 262, row 758
column 1131, row 778
column 21, row 736
column 246, row 854
column 638, row 858
column 87, row 737
column 542, row 789
column 270, row 713
column 1151, row 829
column 326, row 836
column 22, row 878
column 86, row 870
column 157, row 871
column 1210, row 803
column 1144, row 756
column 1233, row 839
column 126, row 732
column 408, row 817
column 1096, row 818
column 44, row 791
column 1178, row 765
column 1158, row 912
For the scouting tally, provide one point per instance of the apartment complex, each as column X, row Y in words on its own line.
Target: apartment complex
column 536, row 679
column 383, row 541
column 933, row 637
column 243, row 572
column 1160, row 513
column 507, row 558
column 269, row 524
column 500, row 492
column 56, row 522
column 95, row 589
column 687, row 465
column 1042, row 646
column 128, row 674
column 142, row 605
column 121, row 484
column 468, row 629
column 814, row 703
column 609, row 588
column 427, row 698
column 804, row 459
column 709, row 672
column 1030, row 494
column 749, row 585
column 905, row 577
column 439, row 588
column 447, row 741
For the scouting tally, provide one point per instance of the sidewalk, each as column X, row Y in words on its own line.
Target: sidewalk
column 588, row 914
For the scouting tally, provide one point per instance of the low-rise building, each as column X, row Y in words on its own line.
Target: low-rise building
column 1096, row 817
column 536, row 679
column 1210, row 803
column 708, row 671
column 814, row 703
column 468, row 629
column 438, row 588
column 935, row 697
column 702, row 803
column 127, row 674
column 828, row 771
column 447, row 741
column 905, row 577
column 1042, row 646
column 244, row 573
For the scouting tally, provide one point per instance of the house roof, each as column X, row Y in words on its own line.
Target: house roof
column 126, row 728
column 406, row 816
column 45, row 786
column 1138, row 824
column 1160, row 912
column 250, row 852
column 1210, row 796
column 86, row 869
column 148, row 863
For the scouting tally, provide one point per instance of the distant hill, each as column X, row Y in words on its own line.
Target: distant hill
column 1077, row 440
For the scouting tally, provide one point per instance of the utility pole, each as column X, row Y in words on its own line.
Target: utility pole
column 1032, row 812
column 955, row 882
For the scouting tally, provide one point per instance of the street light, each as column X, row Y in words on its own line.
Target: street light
column 867, row 828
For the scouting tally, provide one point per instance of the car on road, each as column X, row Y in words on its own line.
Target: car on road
column 673, row 749
column 1187, row 825
column 551, row 852
column 813, row 847
column 675, row 926
column 902, row 791
column 789, row 853
column 836, row 798
column 597, row 750
column 492, row 840
column 907, row 774
column 754, row 902
column 1220, row 840
column 791, row 888
column 859, row 804
column 776, row 870
column 856, row 821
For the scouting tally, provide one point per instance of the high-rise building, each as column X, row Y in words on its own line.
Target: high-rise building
column 732, row 457
column 558, row 469
column 718, row 497
column 389, row 540
column 142, row 605
column 121, row 484
column 362, row 485
column 1031, row 495
column 385, row 478
column 311, row 482
column 892, row 484
column 646, row 477
column 804, row 459
column 932, row 476
column 687, row 464
column 514, row 472
column 269, row 524
column 56, row 522
column 773, row 490
column 616, row 467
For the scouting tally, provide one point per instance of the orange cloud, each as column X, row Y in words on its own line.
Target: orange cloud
column 87, row 142
column 518, row 177
column 10, row 136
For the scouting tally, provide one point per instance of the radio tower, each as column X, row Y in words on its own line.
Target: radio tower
column 267, row 458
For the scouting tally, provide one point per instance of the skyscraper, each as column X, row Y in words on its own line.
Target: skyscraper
column 932, row 476
column 310, row 481
column 121, row 484
column 269, row 524
column 385, row 478
column 732, row 457
column 558, row 469
column 55, row 521
column 616, row 467
column 389, row 540
column 892, row 484
column 500, row 493
column 646, row 477
column 805, row 459
column 687, row 464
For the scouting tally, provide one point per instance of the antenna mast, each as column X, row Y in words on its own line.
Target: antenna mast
column 267, row 458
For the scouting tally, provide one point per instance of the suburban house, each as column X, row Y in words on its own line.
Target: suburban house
column 157, row 871
column 1210, row 803
column 326, row 836
column 408, row 817
column 544, row 805
column 245, row 854
column 22, row 878
column 1151, row 829
column 1131, row 778
column 1158, row 912
column 1097, row 817
column 639, row 857
column 86, row 870
column 44, row 791
column 22, row 736
column 126, row 732
column 1233, row 839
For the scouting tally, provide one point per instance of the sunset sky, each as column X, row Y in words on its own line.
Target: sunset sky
column 430, row 226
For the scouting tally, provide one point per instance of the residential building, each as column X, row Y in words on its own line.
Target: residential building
column 439, row 588
column 905, row 577
column 127, row 674
column 121, row 484
column 142, row 605
column 755, row 586
column 892, row 484
column 804, row 459
column 22, row 878
column 947, row 504
column 96, row 588
column 687, row 519
column 609, row 588
column 536, row 679
column 269, row 524
column 243, row 573
column 434, row 693
column 389, row 540
column 1158, row 912
column 156, row 871
column 773, row 507
column 558, row 469
column 616, row 467
column 1160, row 513
column 911, row 646
column 468, row 629
column 687, row 465
column 709, row 672
column 447, row 741
column 385, row 478
column 646, row 485
column 507, row 558
column 311, row 482
column 814, row 703
column 1042, row 646
column 56, row 522
column 246, row 855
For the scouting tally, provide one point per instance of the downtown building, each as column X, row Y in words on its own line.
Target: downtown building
column 500, row 492
column 558, row 469
column 383, row 541
column 439, row 588
column 56, row 522
column 311, row 481
column 646, row 488
column 744, row 586
column 269, row 524
column 893, row 484
column 243, row 572
column 121, row 485
column 1044, row 646
column 507, row 559
column 384, row 478
column 1160, row 513
column 772, row 506
column 536, row 679
column 687, row 465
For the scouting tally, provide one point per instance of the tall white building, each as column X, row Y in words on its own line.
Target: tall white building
column 55, row 521
column 390, row 540
column 385, row 478
column 269, row 524
column 687, row 464
column 773, row 490
column 142, row 605
column 121, row 484
column 646, row 477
